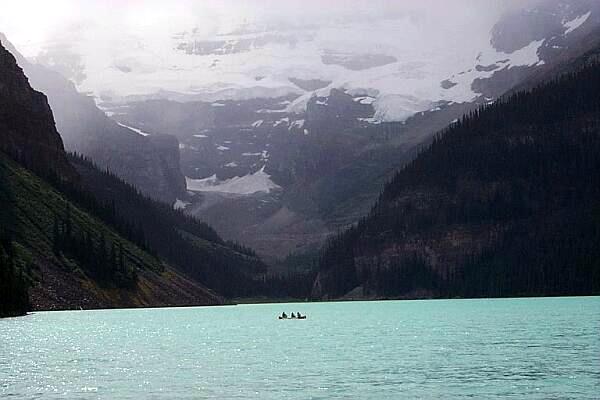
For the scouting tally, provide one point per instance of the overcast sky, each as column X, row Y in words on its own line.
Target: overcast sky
column 32, row 24
column 118, row 48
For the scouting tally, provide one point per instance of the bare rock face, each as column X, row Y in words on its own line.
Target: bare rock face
column 335, row 112
column 27, row 129
column 150, row 163
column 561, row 24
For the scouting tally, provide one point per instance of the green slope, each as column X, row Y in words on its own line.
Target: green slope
column 64, row 278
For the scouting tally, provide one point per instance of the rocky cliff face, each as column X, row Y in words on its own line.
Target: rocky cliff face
column 149, row 163
column 564, row 28
column 28, row 131
column 337, row 111
column 557, row 21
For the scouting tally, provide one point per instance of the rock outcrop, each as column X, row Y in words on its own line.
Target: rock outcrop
column 28, row 132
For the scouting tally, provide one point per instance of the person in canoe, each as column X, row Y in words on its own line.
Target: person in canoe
column 300, row 316
column 293, row 316
column 283, row 315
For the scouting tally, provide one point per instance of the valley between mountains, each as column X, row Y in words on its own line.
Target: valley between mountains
column 265, row 163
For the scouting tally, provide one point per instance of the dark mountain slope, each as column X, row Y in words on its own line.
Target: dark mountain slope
column 504, row 202
column 26, row 123
column 72, row 259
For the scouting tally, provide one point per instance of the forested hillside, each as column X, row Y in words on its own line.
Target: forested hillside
column 193, row 246
column 63, row 256
column 505, row 202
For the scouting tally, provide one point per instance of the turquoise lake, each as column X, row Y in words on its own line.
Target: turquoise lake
column 546, row 348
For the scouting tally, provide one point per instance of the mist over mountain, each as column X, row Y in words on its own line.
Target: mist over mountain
column 398, row 52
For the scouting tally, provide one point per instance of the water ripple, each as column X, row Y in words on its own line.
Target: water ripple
column 455, row 349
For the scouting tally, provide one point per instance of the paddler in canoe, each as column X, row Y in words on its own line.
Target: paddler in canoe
column 293, row 316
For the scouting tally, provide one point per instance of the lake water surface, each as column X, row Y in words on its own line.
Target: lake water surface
column 440, row 349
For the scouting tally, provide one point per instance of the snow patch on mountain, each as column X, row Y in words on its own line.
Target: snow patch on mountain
column 297, row 124
column 180, row 204
column 373, row 121
column 257, row 182
column 136, row 130
column 462, row 91
column 576, row 23
column 365, row 99
column 285, row 120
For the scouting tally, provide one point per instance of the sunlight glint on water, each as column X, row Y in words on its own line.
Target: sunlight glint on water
column 519, row 348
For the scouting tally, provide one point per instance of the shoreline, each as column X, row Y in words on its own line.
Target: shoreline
column 258, row 301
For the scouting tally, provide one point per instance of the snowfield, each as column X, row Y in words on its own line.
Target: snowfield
column 217, row 55
column 136, row 130
column 576, row 23
column 180, row 204
column 259, row 181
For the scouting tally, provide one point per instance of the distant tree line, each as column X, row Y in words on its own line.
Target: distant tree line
column 293, row 285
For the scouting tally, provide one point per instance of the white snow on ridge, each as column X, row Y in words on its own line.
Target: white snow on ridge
column 299, row 124
column 365, row 99
column 267, row 111
column 180, row 204
column 136, row 130
column 462, row 91
column 146, row 60
column 257, row 182
column 285, row 120
column 374, row 121
column 576, row 23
